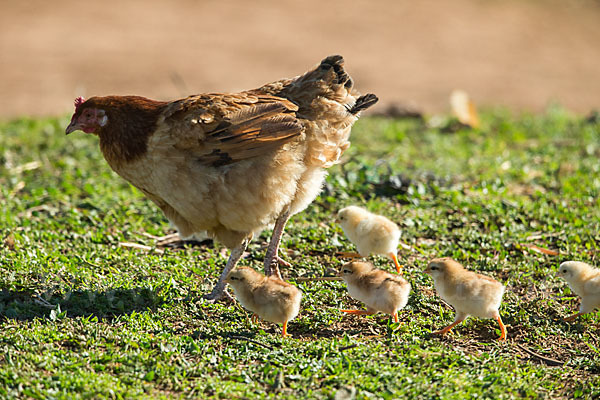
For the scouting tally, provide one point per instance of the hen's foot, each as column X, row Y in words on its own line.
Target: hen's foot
column 219, row 293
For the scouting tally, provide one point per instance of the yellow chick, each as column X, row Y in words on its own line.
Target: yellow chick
column 370, row 233
column 378, row 289
column 584, row 280
column 468, row 292
column 268, row 297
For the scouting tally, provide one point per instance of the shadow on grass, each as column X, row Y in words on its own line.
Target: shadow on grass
column 26, row 304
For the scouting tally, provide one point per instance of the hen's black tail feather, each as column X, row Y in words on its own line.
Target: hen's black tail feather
column 337, row 63
column 363, row 102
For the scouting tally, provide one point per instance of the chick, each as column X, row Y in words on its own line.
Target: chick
column 468, row 292
column 584, row 280
column 370, row 233
column 268, row 297
column 379, row 290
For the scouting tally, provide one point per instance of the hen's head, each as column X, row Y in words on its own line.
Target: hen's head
column 88, row 117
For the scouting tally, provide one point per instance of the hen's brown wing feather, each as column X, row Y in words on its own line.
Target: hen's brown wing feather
column 220, row 129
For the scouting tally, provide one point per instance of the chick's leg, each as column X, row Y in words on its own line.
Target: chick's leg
column 234, row 257
column 272, row 258
column 457, row 320
column 502, row 328
column 395, row 258
column 284, row 331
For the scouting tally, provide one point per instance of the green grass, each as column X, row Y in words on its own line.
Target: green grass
column 81, row 316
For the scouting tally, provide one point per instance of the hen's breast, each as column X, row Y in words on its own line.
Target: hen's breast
column 244, row 196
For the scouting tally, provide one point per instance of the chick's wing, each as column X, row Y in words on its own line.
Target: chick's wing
column 272, row 291
column 220, row 129
column 592, row 286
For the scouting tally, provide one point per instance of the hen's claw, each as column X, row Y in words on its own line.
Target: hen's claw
column 217, row 295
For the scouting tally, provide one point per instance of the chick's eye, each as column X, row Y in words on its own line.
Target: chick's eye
column 433, row 268
column 564, row 271
column 233, row 278
column 347, row 271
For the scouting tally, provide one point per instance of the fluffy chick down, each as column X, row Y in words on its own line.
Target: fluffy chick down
column 370, row 233
column 379, row 290
column 584, row 280
column 266, row 296
column 469, row 293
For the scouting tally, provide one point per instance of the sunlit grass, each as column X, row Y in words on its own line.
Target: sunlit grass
column 84, row 317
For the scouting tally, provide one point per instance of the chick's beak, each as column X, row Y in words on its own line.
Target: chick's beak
column 427, row 271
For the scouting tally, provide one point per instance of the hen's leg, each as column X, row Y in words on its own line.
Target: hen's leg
column 272, row 256
column 234, row 257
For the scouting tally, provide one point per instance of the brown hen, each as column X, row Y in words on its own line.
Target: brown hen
column 230, row 164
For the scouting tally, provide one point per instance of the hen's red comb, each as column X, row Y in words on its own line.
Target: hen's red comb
column 78, row 101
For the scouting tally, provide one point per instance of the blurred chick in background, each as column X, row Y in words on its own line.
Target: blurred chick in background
column 266, row 296
column 378, row 289
column 468, row 292
column 584, row 280
column 370, row 233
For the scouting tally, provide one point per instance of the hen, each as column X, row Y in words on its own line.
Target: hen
column 230, row 164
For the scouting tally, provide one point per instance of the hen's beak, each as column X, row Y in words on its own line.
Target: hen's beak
column 72, row 127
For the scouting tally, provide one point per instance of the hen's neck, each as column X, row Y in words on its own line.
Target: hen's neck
column 125, row 137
